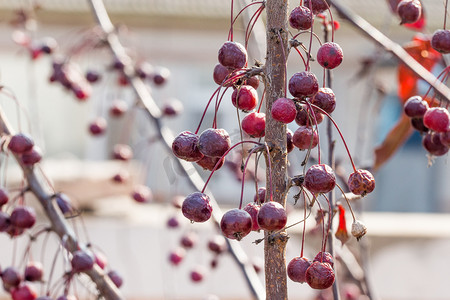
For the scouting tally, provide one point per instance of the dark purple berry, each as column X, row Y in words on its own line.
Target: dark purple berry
column 64, row 203
column 160, row 75
column 260, row 197
column 11, row 277
column 232, row 55
column 305, row 117
column 172, row 107
column 415, row 107
column 214, row 142
column 325, row 99
column 4, row 198
column 142, row 193
column 196, row 207
column 220, row 74
column 92, row 76
column 297, row 267
column 185, row 146
column 115, row 278
column 409, row 11
column 189, row 240
column 31, row 157
column 98, row 126
column 236, row 224
column 303, row 84
column 253, row 209
column 417, row 123
column 20, row 143
column 197, row 274
column 34, row 271
column 272, row 216
column 23, row 217
column 82, row 261
column 320, row 275
column 118, row 108
column 300, row 18
column 432, row 143
column 440, row 40
column 289, row 140
column 305, row 138
column 317, row 6
column 217, row 244
column 320, row 178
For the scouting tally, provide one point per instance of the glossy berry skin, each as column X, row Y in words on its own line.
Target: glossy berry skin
column 330, row 55
column 415, row 107
column 440, row 41
column 317, row 6
column 324, row 256
column 214, row 142
column 320, row 275
column 232, row 55
column 220, row 74
column 209, row 163
column 284, row 110
column 176, row 256
column 300, row 18
column 115, row 278
column 196, row 207
column 437, row 119
column 272, row 216
column 253, row 209
column 82, row 261
column 409, row 11
column 245, row 98
column 34, row 271
column 303, row 84
column 20, row 143
column 361, row 182
column 325, row 99
column 289, row 140
column 305, row 138
column 320, row 178
column 23, row 292
column 296, row 269
column 31, row 157
column 23, row 217
column 254, row 124
column 433, row 144
column 185, row 146
column 236, row 224
column 305, row 118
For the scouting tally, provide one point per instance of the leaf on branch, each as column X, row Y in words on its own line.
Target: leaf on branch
column 341, row 233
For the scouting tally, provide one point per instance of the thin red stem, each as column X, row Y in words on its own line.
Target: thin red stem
column 243, row 174
column 317, row 130
column 251, row 23
column 206, row 108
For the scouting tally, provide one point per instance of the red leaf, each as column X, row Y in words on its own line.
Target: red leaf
column 341, row 233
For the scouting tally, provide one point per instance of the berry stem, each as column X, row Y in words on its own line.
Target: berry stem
column 310, row 37
column 317, row 129
column 206, row 108
column 304, row 224
column 252, row 22
column 348, row 202
column 243, row 173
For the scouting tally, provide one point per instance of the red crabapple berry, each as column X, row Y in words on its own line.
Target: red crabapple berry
column 252, row 81
column 330, row 55
column 254, row 124
column 34, row 271
column 173, row 222
column 82, row 261
column 260, row 197
column 115, row 278
column 245, row 98
column 445, row 138
column 253, row 209
column 361, row 182
column 317, row 6
column 300, row 18
column 409, row 11
column 236, row 224
column 185, row 146
column 176, row 256
column 272, row 216
column 289, row 140
column 440, row 41
column 417, row 124
column 23, row 217
column 320, row 178
column 118, row 108
column 305, row 138
column 325, row 99
column 214, row 142
column 284, row 110
column 324, row 256
column 432, row 143
column 220, row 74
column 189, row 240
column 11, row 277
column 297, row 267
column 24, row 292
column 232, row 55
column 196, row 207
column 303, row 84
column 415, row 107
column 142, row 194
column 20, row 143
column 31, row 157
column 437, row 119
column 209, row 163
column 122, row 152
column 98, row 126
column 320, row 275
column 304, row 117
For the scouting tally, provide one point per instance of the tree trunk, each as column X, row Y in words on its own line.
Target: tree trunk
column 275, row 71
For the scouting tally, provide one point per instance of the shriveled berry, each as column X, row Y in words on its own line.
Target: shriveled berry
column 330, row 55
column 254, row 124
column 317, row 6
column 82, row 261
column 115, row 278
column 196, row 207
column 209, row 163
column 232, row 55
column 320, row 275
column 305, row 117
column 440, row 41
column 437, row 119
column 432, row 143
column 217, row 244
column 324, row 256
column 361, row 182
column 214, row 142
column 272, row 216
column 253, row 209
column 300, row 18
column 245, row 98
column 24, row 292
column 189, row 240
column 284, row 110
column 142, row 193
column 289, row 140
column 23, row 217
column 34, row 271
column 20, row 143
column 303, row 84
column 297, row 267
column 320, row 178
column 236, row 224
column 415, row 107
column 185, row 146
column 409, row 11
column 176, row 256
column 325, row 99
column 305, row 137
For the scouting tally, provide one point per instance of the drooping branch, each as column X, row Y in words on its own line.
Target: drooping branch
column 166, row 137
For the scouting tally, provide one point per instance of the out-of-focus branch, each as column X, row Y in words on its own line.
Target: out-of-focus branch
column 166, row 138
column 389, row 45
column 37, row 186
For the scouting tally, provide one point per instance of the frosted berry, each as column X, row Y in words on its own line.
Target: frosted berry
column 236, row 224
column 254, row 124
column 185, row 146
column 305, row 138
column 361, row 182
column 320, row 178
column 440, row 41
column 303, row 84
column 272, row 216
column 245, row 98
column 23, row 217
column 209, row 163
column 82, row 261
column 284, row 110
column 214, row 142
column 409, row 11
column 325, row 99
column 317, row 6
column 433, row 144
column 415, row 107
column 232, row 55
column 320, row 275
column 330, row 55
column 297, row 267
column 324, row 256
column 196, row 207
column 253, row 209
column 437, row 119
column 20, row 143
column 300, row 18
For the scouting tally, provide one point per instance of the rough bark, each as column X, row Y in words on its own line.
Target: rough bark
column 275, row 68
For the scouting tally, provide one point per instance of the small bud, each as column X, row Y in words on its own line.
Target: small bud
column 358, row 229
